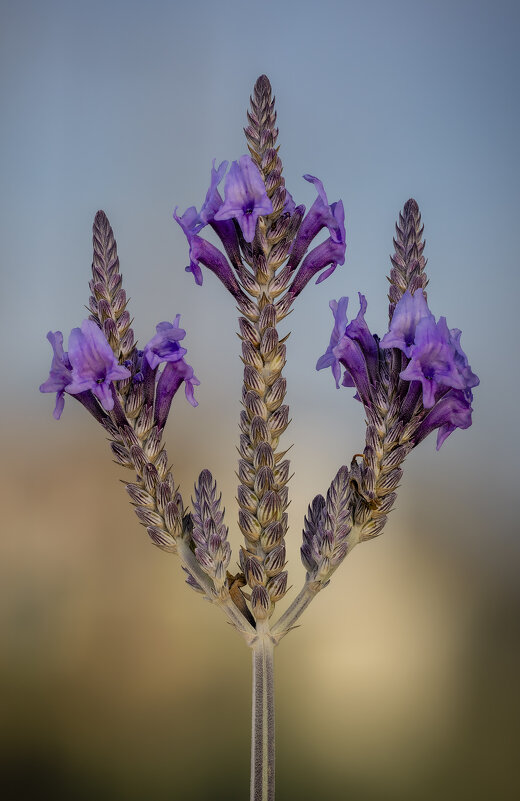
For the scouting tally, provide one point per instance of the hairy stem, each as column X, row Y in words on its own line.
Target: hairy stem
column 262, row 733
column 309, row 591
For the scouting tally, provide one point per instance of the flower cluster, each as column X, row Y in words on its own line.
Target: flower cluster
column 89, row 369
column 431, row 372
column 234, row 220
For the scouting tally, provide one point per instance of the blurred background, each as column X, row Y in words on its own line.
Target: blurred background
column 118, row 681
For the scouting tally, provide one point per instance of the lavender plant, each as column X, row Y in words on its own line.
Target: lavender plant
column 413, row 381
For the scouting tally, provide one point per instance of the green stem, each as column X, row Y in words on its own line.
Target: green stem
column 262, row 734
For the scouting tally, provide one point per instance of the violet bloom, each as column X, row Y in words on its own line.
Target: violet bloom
column 409, row 311
column 353, row 347
column 94, row 365
column 164, row 347
column 213, row 200
column 329, row 358
column 245, row 197
column 329, row 253
column 169, row 382
column 433, row 360
column 452, row 411
column 436, row 382
column 60, row 374
column 461, row 360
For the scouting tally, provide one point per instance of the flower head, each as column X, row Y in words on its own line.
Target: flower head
column 94, row 365
column 432, row 380
column 245, row 197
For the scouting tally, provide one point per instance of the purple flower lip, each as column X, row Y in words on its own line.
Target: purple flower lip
column 164, row 346
column 89, row 366
column 245, row 197
column 409, row 311
column 432, row 360
column 329, row 358
column 60, row 374
column 94, row 365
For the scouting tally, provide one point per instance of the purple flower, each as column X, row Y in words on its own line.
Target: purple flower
column 452, row 411
column 245, row 197
column 461, row 360
column 169, row 382
column 331, row 252
column 353, row 347
column 409, row 311
column 94, row 365
column 203, row 252
column 329, row 358
column 164, row 346
column 436, row 382
column 213, row 200
column 60, row 374
column 433, row 360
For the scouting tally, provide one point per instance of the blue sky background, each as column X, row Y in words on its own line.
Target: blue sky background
column 123, row 106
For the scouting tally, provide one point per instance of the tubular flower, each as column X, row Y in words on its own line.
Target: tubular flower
column 353, row 347
column 203, row 252
column 331, row 252
column 164, row 347
column 245, row 197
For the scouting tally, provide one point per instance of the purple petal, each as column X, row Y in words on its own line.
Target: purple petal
column 93, row 363
column 211, row 257
column 169, row 382
column 432, row 360
column 328, row 252
column 164, row 346
column 452, row 411
column 359, row 331
column 352, row 358
column 245, row 197
column 213, row 200
column 409, row 311
column 319, row 216
column 329, row 359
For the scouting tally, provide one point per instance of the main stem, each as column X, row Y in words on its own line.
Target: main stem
column 262, row 734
